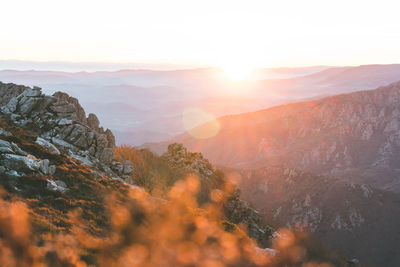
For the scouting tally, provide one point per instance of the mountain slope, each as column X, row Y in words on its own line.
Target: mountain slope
column 58, row 123
column 355, row 219
column 354, row 136
column 67, row 200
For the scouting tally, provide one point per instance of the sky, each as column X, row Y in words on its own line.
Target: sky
column 222, row 33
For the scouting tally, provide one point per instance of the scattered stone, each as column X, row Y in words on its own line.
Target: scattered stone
column 117, row 166
column 12, row 105
column 4, row 132
column 62, row 107
column 15, row 117
column 44, row 166
column 64, row 121
column 46, row 144
column 52, row 169
column 56, row 185
column 5, row 147
column 13, row 173
column 18, row 162
column 18, row 150
column 128, row 168
column 63, row 145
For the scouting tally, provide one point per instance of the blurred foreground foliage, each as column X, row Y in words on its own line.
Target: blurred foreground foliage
column 147, row 231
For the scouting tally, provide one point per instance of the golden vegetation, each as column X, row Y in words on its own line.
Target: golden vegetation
column 102, row 222
column 147, row 232
column 157, row 175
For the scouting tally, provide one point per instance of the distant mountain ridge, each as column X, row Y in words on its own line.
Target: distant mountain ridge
column 354, row 136
column 160, row 96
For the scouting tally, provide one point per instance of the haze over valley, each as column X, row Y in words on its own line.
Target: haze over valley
column 211, row 133
column 143, row 106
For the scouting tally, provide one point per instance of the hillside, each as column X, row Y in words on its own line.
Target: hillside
column 352, row 136
column 68, row 200
column 340, row 175
column 354, row 219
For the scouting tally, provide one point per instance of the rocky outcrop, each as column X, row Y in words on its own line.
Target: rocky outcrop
column 238, row 211
column 8, row 91
column 16, row 162
column 62, row 126
column 68, row 103
column 179, row 158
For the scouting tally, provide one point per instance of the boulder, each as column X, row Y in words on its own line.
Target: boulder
column 8, row 91
column 118, row 167
column 18, row 150
column 46, row 101
column 27, row 104
column 46, row 144
column 80, row 112
column 106, row 155
column 63, row 145
column 62, row 107
column 18, row 162
column 64, row 121
column 12, row 104
column 52, row 169
column 56, row 185
column 34, row 92
column 5, row 147
column 77, row 136
column 93, row 122
column 128, row 168
column 110, row 138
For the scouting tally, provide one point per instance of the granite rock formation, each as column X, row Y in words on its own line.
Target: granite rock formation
column 62, row 125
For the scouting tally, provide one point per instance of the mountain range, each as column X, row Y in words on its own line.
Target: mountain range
column 326, row 165
column 146, row 106
column 353, row 136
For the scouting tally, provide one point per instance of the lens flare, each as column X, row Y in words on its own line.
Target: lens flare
column 193, row 117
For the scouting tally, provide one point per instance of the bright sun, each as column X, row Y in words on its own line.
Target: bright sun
column 237, row 72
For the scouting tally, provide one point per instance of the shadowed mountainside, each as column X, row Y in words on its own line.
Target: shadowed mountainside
column 354, row 219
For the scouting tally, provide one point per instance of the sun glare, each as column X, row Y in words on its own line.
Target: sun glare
column 237, row 72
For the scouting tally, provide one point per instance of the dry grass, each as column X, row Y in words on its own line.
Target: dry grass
column 148, row 232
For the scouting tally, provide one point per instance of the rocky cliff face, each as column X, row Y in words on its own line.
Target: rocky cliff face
column 354, row 219
column 62, row 126
column 354, row 136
